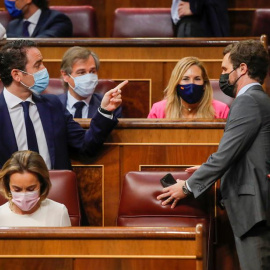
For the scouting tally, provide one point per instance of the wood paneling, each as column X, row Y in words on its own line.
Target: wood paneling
column 115, row 247
column 147, row 63
column 160, row 145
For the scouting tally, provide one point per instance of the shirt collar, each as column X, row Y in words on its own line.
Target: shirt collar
column 72, row 100
column 35, row 17
column 12, row 100
column 245, row 88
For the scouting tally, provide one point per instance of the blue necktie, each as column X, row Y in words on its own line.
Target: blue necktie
column 25, row 28
column 79, row 106
column 30, row 131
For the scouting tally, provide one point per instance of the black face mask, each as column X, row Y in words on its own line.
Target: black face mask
column 225, row 86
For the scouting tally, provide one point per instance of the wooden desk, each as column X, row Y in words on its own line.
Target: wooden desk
column 111, row 248
column 144, row 145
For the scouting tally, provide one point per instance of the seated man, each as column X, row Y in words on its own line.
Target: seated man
column 37, row 20
column 79, row 71
column 30, row 121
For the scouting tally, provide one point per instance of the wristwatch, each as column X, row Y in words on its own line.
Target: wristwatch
column 105, row 111
column 185, row 189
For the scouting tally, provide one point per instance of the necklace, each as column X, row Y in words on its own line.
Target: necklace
column 188, row 109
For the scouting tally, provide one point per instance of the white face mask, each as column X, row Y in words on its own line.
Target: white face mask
column 85, row 85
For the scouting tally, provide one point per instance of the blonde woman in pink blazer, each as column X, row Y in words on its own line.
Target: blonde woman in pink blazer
column 189, row 94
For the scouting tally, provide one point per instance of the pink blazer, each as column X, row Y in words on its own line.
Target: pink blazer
column 158, row 109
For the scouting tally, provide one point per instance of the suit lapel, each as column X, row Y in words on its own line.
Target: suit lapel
column 93, row 106
column 47, row 123
column 41, row 22
column 7, row 134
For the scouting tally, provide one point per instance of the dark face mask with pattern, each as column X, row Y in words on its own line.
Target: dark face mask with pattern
column 190, row 93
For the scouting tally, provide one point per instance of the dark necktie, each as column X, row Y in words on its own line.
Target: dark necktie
column 79, row 106
column 25, row 29
column 30, row 131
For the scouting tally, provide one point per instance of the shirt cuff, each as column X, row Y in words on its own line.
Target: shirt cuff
column 188, row 186
column 109, row 116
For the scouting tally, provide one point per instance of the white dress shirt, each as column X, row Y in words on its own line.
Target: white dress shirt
column 33, row 21
column 17, row 119
column 71, row 102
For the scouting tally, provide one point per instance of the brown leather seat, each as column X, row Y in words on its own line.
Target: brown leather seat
column 139, row 206
column 143, row 22
column 64, row 190
column 5, row 18
column 261, row 22
column 83, row 19
column 219, row 95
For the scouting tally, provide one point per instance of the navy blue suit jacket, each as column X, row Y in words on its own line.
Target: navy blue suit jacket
column 50, row 24
column 93, row 105
column 64, row 136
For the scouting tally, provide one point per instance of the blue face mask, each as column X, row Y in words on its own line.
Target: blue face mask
column 11, row 8
column 85, row 85
column 190, row 93
column 41, row 79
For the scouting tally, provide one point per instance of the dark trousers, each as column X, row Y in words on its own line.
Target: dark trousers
column 253, row 248
column 189, row 26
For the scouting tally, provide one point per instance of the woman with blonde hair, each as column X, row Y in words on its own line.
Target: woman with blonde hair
column 189, row 94
column 25, row 183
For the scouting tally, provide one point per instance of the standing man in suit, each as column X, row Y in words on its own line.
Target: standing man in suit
column 79, row 69
column 243, row 157
column 200, row 18
column 37, row 20
column 40, row 122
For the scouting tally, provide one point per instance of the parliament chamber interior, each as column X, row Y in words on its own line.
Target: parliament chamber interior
column 117, row 223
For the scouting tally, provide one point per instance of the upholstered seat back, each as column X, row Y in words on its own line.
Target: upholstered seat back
column 143, row 22
column 261, row 22
column 64, row 190
column 83, row 19
column 139, row 206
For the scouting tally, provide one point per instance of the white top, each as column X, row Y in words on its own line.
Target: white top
column 2, row 31
column 49, row 214
column 17, row 119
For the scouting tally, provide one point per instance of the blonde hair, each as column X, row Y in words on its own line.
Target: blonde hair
column 173, row 105
column 25, row 161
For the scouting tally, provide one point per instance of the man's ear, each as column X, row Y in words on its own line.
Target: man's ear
column 15, row 73
column 65, row 76
column 243, row 68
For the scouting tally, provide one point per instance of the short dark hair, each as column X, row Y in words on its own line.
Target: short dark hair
column 42, row 4
column 253, row 54
column 13, row 56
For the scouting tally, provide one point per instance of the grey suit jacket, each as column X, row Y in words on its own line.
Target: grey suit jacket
column 243, row 162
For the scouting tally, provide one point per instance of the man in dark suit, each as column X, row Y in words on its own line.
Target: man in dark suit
column 40, row 122
column 200, row 18
column 243, row 157
column 37, row 20
column 79, row 69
